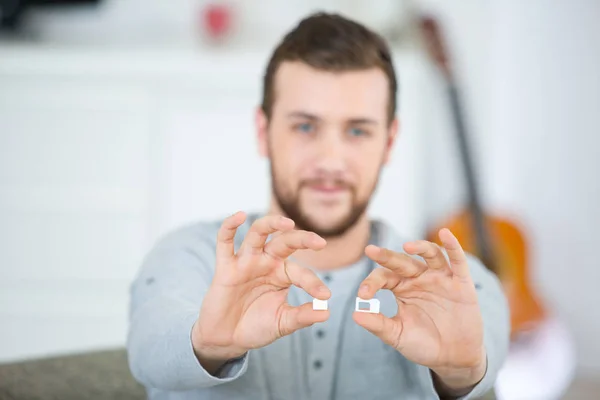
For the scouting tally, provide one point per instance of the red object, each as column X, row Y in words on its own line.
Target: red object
column 217, row 19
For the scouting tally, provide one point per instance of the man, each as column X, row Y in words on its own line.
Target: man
column 223, row 310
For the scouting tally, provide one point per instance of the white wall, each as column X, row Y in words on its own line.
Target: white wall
column 177, row 23
column 83, row 201
column 206, row 129
column 74, row 204
column 103, row 151
column 543, row 149
column 529, row 73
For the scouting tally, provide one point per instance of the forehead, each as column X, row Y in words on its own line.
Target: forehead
column 347, row 94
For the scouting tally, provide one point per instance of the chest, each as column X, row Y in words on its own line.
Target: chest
column 339, row 359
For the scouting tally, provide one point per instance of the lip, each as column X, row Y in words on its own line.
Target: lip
column 327, row 189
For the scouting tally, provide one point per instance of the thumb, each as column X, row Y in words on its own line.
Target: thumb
column 387, row 329
column 292, row 319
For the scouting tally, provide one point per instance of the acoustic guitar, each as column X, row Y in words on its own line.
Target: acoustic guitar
column 495, row 240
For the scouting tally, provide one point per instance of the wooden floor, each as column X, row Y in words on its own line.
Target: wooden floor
column 584, row 389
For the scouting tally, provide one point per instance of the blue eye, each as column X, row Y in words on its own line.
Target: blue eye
column 357, row 132
column 305, row 127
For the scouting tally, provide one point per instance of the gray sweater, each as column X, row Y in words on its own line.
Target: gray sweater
column 336, row 359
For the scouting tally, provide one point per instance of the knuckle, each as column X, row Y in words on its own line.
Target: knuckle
column 223, row 236
column 378, row 273
column 284, row 241
column 432, row 251
column 272, row 223
column 258, row 221
column 311, row 281
column 384, row 255
column 301, row 233
column 373, row 280
column 287, row 247
column 277, row 220
column 296, row 239
column 226, row 225
column 266, row 220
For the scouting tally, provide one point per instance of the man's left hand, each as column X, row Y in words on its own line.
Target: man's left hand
column 439, row 323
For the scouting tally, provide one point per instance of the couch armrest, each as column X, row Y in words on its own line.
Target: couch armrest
column 93, row 375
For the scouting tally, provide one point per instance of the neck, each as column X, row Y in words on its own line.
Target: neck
column 340, row 251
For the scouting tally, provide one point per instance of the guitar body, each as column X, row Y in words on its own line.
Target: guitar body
column 496, row 241
column 510, row 256
column 541, row 361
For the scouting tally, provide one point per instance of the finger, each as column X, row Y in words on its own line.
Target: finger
column 387, row 329
column 456, row 254
column 225, row 237
column 293, row 318
column 379, row 278
column 400, row 263
column 307, row 280
column 261, row 229
column 431, row 253
column 288, row 242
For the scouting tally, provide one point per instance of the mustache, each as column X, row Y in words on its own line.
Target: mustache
column 336, row 182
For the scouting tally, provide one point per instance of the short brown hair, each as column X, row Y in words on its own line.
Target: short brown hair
column 331, row 42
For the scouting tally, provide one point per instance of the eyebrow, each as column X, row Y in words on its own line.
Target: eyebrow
column 312, row 117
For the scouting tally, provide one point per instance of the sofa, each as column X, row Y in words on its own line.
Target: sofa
column 98, row 375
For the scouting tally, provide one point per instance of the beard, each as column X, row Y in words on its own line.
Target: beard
column 289, row 202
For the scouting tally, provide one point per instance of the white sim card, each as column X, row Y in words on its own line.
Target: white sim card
column 368, row 306
column 319, row 304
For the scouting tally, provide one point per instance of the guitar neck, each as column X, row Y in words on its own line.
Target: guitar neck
column 437, row 50
column 481, row 234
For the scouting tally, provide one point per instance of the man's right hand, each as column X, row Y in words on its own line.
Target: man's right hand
column 245, row 306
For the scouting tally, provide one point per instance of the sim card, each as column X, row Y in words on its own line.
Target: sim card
column 367, row 306
column 319, row 304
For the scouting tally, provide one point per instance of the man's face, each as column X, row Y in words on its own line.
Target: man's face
column 327, row 140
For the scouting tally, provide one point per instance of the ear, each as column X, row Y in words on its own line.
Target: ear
column 261, row 123
column 393, row 131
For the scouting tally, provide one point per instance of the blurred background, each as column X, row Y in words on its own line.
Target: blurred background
column 121, row 120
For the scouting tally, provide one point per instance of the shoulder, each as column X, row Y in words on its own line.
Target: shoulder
column 190, row 235
column 198, row 237
column 388, row 236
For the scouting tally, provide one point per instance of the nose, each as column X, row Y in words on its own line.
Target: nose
column 331, row 159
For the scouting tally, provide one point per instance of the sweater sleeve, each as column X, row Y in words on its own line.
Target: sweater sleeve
column 165, row 300
column 496, row 321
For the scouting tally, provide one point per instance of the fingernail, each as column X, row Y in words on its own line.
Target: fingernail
column 323, row 289
column 364, row 288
